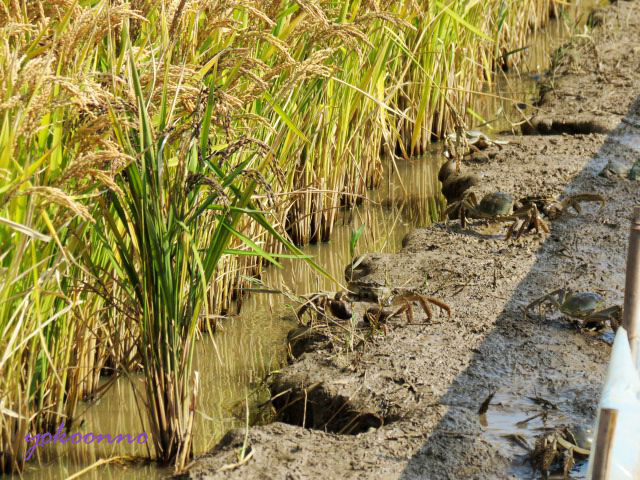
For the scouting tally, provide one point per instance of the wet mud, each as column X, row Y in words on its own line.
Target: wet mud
column 405, row 404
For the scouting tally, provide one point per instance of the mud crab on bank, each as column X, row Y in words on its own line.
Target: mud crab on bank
column 586, row 307
column 497, row 207
column 524, row 214
column 552, row 208
column 378, row 316
column 338, row 305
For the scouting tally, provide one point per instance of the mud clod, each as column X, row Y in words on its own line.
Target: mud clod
column 454, row 184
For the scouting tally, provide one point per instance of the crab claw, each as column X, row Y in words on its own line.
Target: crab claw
column 460, row 208
column 574, row 201
column 531, row 220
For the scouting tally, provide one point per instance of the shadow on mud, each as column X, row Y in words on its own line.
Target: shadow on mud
column 452, row 444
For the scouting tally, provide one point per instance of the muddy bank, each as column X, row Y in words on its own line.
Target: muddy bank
column 405, row 405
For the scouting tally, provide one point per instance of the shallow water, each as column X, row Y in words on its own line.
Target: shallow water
column 513, row 423
column 234, row 363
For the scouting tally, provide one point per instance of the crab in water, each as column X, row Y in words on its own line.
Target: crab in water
column 586, row 307
column 378, row 316
column 497, row 207
column 555, row 452
column 338, row 305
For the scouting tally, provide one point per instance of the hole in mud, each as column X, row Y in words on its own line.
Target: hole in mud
column 302, row 339
column 315, row 408
column 539, row 125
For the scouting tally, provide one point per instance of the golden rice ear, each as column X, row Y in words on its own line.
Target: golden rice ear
column 57, row 196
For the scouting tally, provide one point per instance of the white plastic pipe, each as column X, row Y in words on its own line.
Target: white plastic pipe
column 615, row 454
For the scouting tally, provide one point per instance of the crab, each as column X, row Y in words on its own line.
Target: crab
column 378, row 316
column 555, row 452
column 337, row 306
column 552, row 208
column 524, row 214
column 477, row 138
column 586, row 307
column 497, row 207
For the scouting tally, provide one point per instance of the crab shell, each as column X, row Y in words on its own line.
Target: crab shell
column 582, row 303
column 497, row 203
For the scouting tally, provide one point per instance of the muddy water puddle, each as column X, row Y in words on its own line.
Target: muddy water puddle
column 235, row 361
column 513, row 423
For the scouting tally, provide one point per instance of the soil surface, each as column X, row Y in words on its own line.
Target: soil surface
column 405, row 405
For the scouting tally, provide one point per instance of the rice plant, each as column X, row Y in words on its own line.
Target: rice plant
column 168, row 221
column 43, row 341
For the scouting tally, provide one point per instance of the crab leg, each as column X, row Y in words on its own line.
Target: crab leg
column 450, row 209
column 538, row 223
column 316, row 302
column 574, row 201
column 463, row 216
column 409, row 313
column 540, row 301
column 512, row 227
column 440, row 304
column 460, row 208
column 427, row 310
column 524, row 226
column 407, row 298
column 613, row 314
column 533, row 220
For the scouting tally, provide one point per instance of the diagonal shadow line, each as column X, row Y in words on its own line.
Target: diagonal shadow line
column 433, row 459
